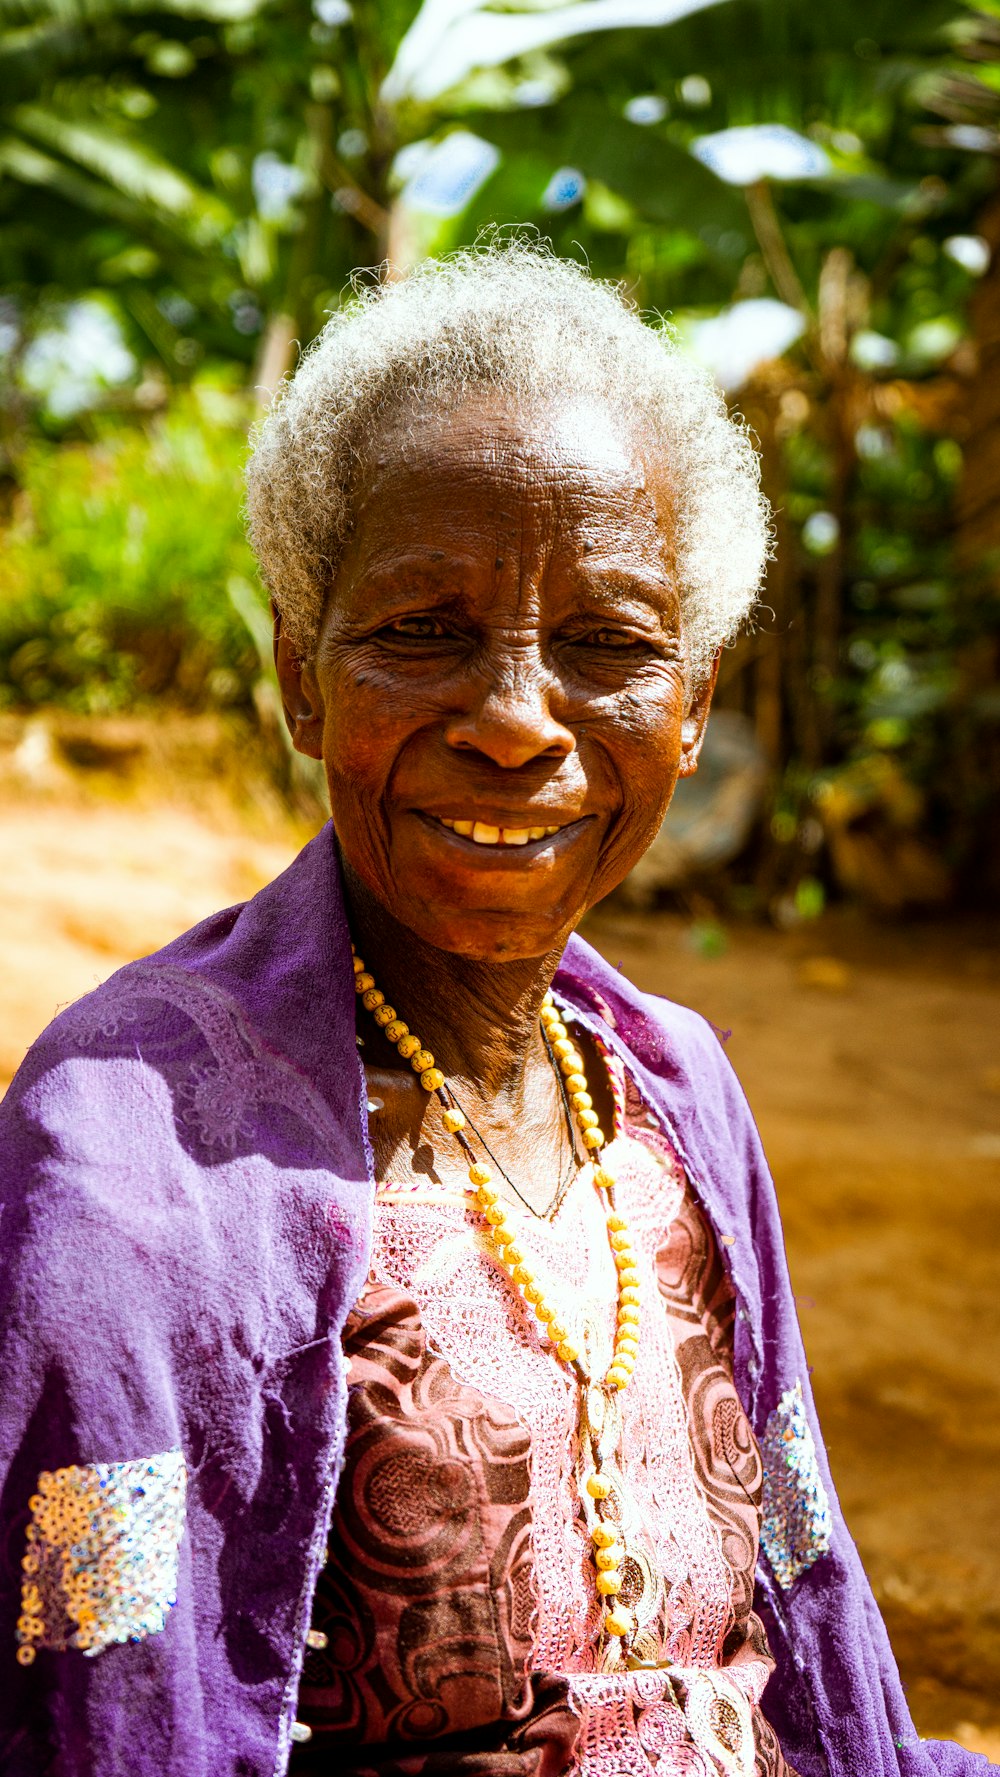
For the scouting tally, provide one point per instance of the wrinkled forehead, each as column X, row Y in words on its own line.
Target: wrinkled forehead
column 520, row 467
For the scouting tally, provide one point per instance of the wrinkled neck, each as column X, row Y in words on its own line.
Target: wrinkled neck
column 479, row 1018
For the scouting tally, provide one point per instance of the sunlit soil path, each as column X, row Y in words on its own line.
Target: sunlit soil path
column 870, row 1057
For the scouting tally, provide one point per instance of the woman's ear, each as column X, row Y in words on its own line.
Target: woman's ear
column 300, row 696
column 696, row 720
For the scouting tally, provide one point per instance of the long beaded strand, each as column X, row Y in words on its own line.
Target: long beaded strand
column 609, row 1553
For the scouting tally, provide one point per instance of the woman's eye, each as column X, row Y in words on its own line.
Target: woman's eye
column 414, row 629
column 613, row 639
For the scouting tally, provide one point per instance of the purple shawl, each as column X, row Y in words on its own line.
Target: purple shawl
column 186, row 1223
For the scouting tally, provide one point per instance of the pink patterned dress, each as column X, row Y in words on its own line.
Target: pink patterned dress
column 463, row 1628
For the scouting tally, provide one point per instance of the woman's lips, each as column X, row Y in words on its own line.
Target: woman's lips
column 484, row 833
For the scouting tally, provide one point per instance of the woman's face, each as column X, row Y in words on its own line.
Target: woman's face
column 501, row 654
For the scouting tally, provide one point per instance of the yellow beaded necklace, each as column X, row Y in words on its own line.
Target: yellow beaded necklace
column 609, row 1553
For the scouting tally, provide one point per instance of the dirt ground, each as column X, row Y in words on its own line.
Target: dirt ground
column 870, row 1057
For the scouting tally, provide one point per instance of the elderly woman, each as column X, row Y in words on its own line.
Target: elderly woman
column 400, row 1366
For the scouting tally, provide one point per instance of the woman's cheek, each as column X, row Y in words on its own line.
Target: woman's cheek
column 358, row 727
column 643, row 726
column 354, row 758
column 645, row 746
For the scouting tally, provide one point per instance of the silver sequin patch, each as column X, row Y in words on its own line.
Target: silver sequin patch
column 796, row 1526
column 101, row 1560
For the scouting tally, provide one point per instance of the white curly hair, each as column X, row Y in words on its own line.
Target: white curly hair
column 511, row 316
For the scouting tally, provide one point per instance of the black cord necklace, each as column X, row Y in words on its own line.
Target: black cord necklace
column 542, row 1215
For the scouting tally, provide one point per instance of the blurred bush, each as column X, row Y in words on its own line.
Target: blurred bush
column 116, row 561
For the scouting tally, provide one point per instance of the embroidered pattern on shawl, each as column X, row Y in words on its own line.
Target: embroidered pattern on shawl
column 221, row 1096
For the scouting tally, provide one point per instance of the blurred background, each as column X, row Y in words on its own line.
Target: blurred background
column 810, row 195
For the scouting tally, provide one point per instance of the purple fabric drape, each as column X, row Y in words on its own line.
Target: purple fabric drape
column 185, row 1225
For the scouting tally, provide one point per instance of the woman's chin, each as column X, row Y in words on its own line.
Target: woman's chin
column 492, row 901
column 488, row 934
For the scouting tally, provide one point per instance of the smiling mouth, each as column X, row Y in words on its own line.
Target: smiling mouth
column 481, row 833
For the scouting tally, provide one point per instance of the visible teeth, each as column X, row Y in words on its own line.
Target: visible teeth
column 483, row 834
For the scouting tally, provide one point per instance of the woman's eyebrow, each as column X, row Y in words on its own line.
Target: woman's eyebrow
column 398, row 594
column 410, row 580
column 430, row 564
column 648, row 587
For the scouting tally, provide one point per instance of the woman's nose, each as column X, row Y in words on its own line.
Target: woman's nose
column 511, row 721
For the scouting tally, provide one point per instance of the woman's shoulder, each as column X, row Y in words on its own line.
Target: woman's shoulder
column 161, row 1164
column 681, row 1066
column 660, row 1032
column 92, row 1066
column 235, row 1040
column 168, row 1110
column 89, row 1140
column 138, row 995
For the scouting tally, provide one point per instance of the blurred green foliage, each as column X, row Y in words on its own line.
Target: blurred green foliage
column 212, row 163
column 117, row 554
